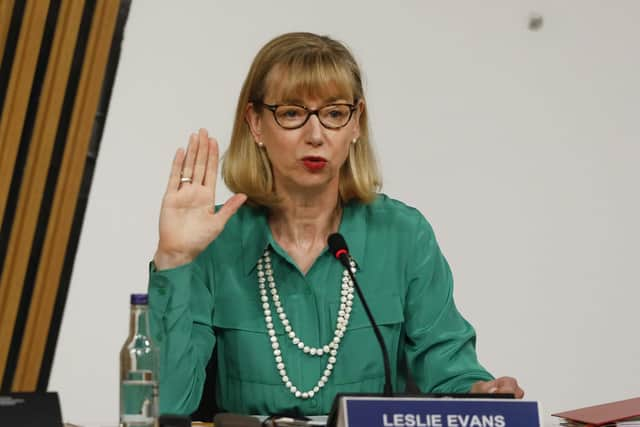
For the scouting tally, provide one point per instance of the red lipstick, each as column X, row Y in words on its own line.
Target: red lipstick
column 314, row 163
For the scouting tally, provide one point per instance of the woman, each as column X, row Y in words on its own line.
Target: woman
column 254, row 279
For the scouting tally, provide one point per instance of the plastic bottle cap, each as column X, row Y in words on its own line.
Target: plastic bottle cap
column 139, row 299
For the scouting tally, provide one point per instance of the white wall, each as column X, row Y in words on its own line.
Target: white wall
column 521, row 148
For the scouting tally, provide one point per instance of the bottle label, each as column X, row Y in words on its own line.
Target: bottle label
column 138, row 401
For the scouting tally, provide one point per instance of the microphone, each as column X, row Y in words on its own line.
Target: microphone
column 338, row 248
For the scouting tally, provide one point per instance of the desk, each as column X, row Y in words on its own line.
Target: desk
column 193, row 424
column 547, row 422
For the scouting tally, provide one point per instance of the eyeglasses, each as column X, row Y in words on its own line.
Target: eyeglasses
column 291, row 116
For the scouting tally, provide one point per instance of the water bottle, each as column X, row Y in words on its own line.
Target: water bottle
column 139, row 367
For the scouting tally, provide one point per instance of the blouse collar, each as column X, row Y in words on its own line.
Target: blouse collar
column 255, row 235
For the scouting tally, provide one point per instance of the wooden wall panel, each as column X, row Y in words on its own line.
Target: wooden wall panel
column 66, row 196
column 6, row 10
column 11, row 126
column 62, row 59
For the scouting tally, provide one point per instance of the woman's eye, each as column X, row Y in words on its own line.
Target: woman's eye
column 290, row 113
column 336, row 113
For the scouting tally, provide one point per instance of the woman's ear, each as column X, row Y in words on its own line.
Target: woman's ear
column 254, row 120
column 357, row 113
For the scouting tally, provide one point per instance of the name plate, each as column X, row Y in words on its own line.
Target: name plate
column 429, row 412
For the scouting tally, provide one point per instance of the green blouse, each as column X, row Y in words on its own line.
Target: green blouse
column 214, row 301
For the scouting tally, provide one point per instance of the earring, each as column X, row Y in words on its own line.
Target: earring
column 354, row 140
column 260, row 144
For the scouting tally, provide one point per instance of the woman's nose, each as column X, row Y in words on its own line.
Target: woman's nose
column 314, row 129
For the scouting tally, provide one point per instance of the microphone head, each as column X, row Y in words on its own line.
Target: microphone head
column 337, row 245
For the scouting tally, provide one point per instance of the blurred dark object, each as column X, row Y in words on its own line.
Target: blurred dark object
column 30, row 410
column 174, row 421
column 208, row 407
column 536, row 21
column 227, row 419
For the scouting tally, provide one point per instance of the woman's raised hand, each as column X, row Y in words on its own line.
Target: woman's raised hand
column 188, row 222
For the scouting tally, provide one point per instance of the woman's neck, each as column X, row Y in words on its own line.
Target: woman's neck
column 303, row 221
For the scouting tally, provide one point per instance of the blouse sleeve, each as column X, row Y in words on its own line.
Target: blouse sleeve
column 440, row 343
column 181, row 307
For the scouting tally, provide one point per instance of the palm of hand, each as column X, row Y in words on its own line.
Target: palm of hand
column 188, row 222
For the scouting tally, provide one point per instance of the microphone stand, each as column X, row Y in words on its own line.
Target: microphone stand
column 388, row 390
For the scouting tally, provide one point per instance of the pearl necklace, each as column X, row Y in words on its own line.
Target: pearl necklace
column 265, row 279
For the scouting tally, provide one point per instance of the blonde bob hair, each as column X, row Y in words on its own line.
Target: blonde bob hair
column 307, row 64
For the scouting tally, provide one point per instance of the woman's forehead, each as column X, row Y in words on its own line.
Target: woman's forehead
column 303, row 96
column 289, row 86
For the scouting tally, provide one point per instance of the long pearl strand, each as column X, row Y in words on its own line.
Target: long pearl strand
column 266, row 280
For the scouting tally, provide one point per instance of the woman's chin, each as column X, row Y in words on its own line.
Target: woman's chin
column 312, row 182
